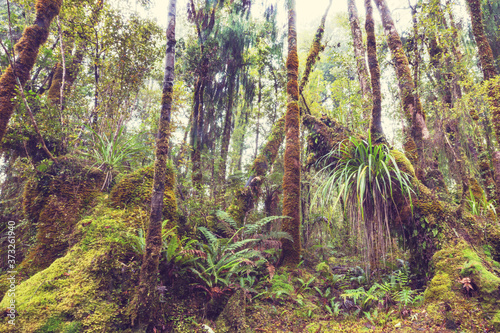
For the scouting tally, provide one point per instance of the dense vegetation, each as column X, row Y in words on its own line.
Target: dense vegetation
column 245, row 173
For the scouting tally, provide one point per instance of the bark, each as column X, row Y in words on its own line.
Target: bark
column 226, row 136
column 487, row 63
column 411, row 103
column 440, row 236
column 316, row 48
column 27, row 51
column 72, row 69
column 197, row 128
column 371, row 45
column 360, row 56
column 290, row 254
column 147, row 296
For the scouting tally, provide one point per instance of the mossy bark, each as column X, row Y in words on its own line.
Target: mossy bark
column 291, row 180
column 314, row 51
column 145, row 306
column 244, row 200
column 360, row 56
column 487, row 64
column 432, row 227
column 376, row 130
column 226, row 137
column 72, row 69
column 27, row 51
column 411, row 102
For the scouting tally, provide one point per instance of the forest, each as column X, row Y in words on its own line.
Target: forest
column 249, row 166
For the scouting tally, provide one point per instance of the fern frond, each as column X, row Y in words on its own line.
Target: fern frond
column 222, row 215
column 211, row 238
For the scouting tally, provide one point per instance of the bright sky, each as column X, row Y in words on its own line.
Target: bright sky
column 308, row 11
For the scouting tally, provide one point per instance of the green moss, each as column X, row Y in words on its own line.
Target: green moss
column 232, row 318
column 403, row 162
column 487, row 282
column 89, row 284
column 53, row 202
column 439, row 288
column 135, row 189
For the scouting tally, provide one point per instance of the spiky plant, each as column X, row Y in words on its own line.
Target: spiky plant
column 365, row 177
column 111, row 154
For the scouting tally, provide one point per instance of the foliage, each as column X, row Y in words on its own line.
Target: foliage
column 366, row 177
column 223, row 261
column 112, row 153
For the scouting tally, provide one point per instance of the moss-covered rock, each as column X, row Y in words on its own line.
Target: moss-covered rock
column 135, row 189
column 53, row 201
column 232, row 318
column 85, row 290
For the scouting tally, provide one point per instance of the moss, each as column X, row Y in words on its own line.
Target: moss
column 54, row 202
column 135, row 189
column 232, row 318
column 487, row 282
column 403, row 162
column 89, row 284
column 439, row 288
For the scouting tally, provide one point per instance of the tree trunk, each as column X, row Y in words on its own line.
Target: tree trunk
column 72, row 69
column 411, row 103
column 226, row 137
column 371, row 45
column 445, row 243
column 146, row 299
column 291, row 180
column 27, row 51
column 487, row 63
column 359, row 54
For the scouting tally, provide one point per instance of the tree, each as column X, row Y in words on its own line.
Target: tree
column 146, row 298
column 16, row 75
column 371, row 44
column 412, row 107
column 291, row 180
column 359, row 53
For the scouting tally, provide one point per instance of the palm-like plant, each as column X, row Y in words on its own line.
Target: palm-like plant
column 111, row 153
column 366, row 177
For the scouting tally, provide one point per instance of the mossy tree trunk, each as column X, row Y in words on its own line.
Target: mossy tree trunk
column 360, row 55
column 27, row 51
column 226, row 136
column 244, row 198
column 291, row 180
column 147, row 296
column 434, row 232
column 487, row 63
column 371, row 44
column 491, row 80
column 71, row 72
column 411, row 102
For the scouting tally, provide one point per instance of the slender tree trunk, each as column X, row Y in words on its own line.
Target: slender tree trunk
column 147, row 296
column 371, row 44
column 291, row 179
column 411, row 103
column 314, row 51
column 360, row 55
column 72, row 69
column 226, row 137
column 27, row 51
column 197, row 128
